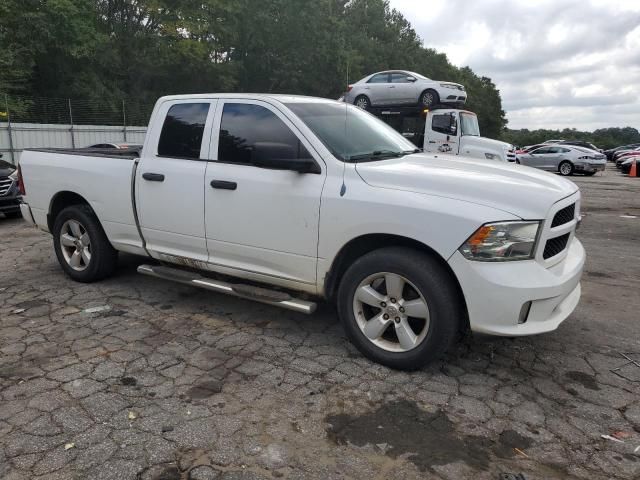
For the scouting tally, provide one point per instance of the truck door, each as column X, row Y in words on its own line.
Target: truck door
column 441, row 133
column 169, row 179
column 258, row 218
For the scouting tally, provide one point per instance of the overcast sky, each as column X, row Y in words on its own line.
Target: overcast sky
column 557, row 63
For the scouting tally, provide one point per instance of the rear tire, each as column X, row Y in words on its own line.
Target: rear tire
column 362, row 101
column 83, row 249
column 565, row 168
column 429, row 98
column 412, row 301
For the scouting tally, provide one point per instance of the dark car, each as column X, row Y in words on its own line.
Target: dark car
column 580, row 143
column 625, row 167
column 612, row 151
column 623, row 155
column 9, row 195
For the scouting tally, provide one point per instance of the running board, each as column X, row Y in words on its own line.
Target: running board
column 263, row 295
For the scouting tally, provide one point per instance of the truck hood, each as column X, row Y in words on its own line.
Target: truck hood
column 487, row 143
column 522, row 191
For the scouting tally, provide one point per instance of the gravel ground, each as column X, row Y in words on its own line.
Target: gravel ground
column 161, row 381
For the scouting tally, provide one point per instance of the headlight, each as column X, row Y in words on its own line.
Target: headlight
column 490, row 156
column 502, row 241
column 586, row 158
column 448, row 85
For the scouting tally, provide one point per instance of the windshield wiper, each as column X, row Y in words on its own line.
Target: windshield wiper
column 381, row 154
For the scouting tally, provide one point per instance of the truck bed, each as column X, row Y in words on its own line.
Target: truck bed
column 102, row 177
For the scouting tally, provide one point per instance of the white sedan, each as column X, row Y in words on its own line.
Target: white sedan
column 401, row 87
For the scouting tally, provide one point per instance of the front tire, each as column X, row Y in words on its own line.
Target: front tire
column 565, row 168
column 429, row 98
column 400, row 307
column 83, row 250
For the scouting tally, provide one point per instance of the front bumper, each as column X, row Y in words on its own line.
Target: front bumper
column 496, row 292
column 9, row 204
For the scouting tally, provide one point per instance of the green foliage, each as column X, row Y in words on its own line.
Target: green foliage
column 136, row 50
column 602, row 138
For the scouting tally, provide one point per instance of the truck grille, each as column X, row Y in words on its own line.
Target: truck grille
column 555, row 245
column 564, row 216
column 5, row 185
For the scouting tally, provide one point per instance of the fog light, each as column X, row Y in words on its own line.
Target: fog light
column 524, row 312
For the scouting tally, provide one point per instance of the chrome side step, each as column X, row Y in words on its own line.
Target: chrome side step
column 264, row 295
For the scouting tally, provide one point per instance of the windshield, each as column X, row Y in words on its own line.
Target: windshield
column 469, row 124
column 350, row 133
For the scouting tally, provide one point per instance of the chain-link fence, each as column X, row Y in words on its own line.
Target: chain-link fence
column 36, row 122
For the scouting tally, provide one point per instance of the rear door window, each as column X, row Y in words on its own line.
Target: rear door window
column 182, row 131
column 379, row 78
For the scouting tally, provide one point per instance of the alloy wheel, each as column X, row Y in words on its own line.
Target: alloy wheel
column 75, row 245
column 391, row 312
column 362, row 102
column 427, row 99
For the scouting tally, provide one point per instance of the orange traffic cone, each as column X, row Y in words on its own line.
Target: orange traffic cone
column 634, row 169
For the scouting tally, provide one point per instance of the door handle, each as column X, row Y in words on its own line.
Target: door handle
column 392, row 86
column 224, row 185
column 432, row 141
column 153, row 177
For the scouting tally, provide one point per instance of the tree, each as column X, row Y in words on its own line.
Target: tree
column 107, row 51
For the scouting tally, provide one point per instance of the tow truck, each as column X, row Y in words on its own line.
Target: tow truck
column 444, row 130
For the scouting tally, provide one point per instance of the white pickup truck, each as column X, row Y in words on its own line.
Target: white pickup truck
column 263, row 196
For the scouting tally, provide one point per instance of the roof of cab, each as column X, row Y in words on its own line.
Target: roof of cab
column 283, row 98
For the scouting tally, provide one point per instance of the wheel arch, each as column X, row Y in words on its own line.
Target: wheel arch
column 355, row 100
column 359, row 246
column 427, row 89
column 62, row 200
column 565, row 160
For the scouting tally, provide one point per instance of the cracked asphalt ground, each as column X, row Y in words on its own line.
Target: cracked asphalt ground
column 172, row 382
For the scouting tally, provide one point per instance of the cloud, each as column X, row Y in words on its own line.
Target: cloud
column 557, row 63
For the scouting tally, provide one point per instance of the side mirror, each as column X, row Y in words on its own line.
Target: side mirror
column 453, row 125
column 300, row 165
column 282, row 156
column 411, row 79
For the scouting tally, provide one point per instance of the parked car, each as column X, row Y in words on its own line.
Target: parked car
column 280, row 194
column 401, row 87
column 565, row 159
column 553, row 141
column 621, row 155
column 9, row 193
column 625, row 166
column 528, row 148
column 579, row 143
column 609, row 153
column 122, row 148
